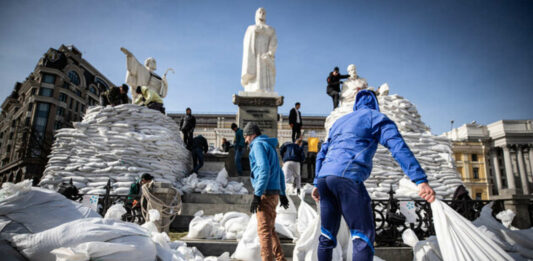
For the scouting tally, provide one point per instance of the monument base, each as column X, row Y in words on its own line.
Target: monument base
column 262, row 110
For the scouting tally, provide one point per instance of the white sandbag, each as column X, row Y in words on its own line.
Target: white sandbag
column 222, row 177
column 39, row 246
column 458, row 238
column 21, row 203
column 506, row 217
column 93, row 251
column 115, row 212
column 248, row 247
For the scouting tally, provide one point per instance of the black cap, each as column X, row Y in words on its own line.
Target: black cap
column 147, row 176
column 336, row 69
column 234, row 126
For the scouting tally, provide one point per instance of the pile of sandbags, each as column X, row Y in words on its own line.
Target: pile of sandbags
column 434, row 153
column 118, row 143
column 229, row 225
column 219, row 185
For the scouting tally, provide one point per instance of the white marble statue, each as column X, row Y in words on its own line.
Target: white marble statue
column 259, row 48
column 351, row 86
column 139, row 75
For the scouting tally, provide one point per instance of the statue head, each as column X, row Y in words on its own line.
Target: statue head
column 150, row 64
column 260, row 16
column 352, row 71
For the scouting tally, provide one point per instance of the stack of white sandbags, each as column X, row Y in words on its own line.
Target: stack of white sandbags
column 118, row 143
column 219, row 185
column 433, row 152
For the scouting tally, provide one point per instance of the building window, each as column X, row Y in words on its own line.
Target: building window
column 60, row 111
column 41, row 120
column 43, row 91
column 101, row 82
column 474, row 157
column 74, row 77
column 58, row 125
column 93, row 90
column 30, row 106
column 27, row 122
column 8, row 148
column 49, row 78
column 82, row 108
column 33, row 90
column 478, row 196
column 62, row 97
column 70, row 103
column 76, row 107
column 78, row 92
column 476, row 173
column 66, row 85
column 11, row 135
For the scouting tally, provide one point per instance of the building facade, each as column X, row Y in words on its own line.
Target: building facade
column 54, row 95
column 214, row 127
column 496, row 159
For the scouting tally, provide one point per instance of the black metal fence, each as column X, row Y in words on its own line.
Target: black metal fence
column 389, row 221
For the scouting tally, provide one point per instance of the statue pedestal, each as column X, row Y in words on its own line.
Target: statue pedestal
column 263, row 110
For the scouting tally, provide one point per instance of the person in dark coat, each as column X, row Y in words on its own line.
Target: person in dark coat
column 225, row 145
column 115, row 96
column 334, row 85
column 187, row 125
column 295, row 121
column 199, row 147
column 238, row 144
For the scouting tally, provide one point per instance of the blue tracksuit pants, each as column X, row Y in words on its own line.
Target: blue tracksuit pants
column 342, row 196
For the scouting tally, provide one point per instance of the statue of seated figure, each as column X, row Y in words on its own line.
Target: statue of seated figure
column 351, row 86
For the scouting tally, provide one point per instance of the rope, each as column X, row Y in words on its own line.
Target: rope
column 153, row 202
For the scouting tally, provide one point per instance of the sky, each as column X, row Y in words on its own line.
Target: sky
column 455, row 60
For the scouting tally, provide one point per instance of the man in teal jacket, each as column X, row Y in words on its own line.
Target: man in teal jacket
column 268, row 182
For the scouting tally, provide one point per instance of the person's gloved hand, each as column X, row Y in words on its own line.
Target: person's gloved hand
column 255, row 204
column 284, row 201
column 134, row 204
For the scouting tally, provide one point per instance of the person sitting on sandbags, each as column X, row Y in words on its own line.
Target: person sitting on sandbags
column 151, row 99
column 115, row 96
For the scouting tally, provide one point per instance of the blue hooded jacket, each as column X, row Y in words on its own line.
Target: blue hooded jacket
column 353, row 140
column 266, row 173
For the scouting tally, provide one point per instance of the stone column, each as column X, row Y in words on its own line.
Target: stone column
column 522, row 170
column 531, row 159
column 496, row 168
column 508, row 168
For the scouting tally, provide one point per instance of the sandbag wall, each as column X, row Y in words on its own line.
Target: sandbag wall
column 433, row 152
column 118, row 143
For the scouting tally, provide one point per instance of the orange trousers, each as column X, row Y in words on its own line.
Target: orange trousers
column 266, row 220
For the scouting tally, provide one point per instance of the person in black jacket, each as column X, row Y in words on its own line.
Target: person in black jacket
column 225, row 145
column 199, row 147
column 295, row 120
column 187, row 125
column 334, row 85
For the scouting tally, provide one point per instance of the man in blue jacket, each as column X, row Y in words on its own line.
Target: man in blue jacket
column 345, row 162
column 268, row 182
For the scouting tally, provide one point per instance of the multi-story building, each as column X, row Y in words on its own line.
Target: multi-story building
column 214, row 127
column 495, row 159
column 54, row 95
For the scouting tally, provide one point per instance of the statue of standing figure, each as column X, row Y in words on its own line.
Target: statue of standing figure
column 139, row 75
column 259, row 48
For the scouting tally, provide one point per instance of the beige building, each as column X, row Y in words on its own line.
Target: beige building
column 54, row 95
column 214, row 127
column 496, row 159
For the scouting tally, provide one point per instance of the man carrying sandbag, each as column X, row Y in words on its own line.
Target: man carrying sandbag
column 345, row 162
column 268, row 182
column 132, row 204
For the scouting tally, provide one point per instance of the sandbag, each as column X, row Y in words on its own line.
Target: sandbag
column 39, row 246
column 53, row 208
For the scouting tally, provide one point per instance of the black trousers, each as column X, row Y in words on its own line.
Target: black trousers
column 296, row 131
column 335, row 97
column 311, row 165
column 187, row 139
column 156, row 106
